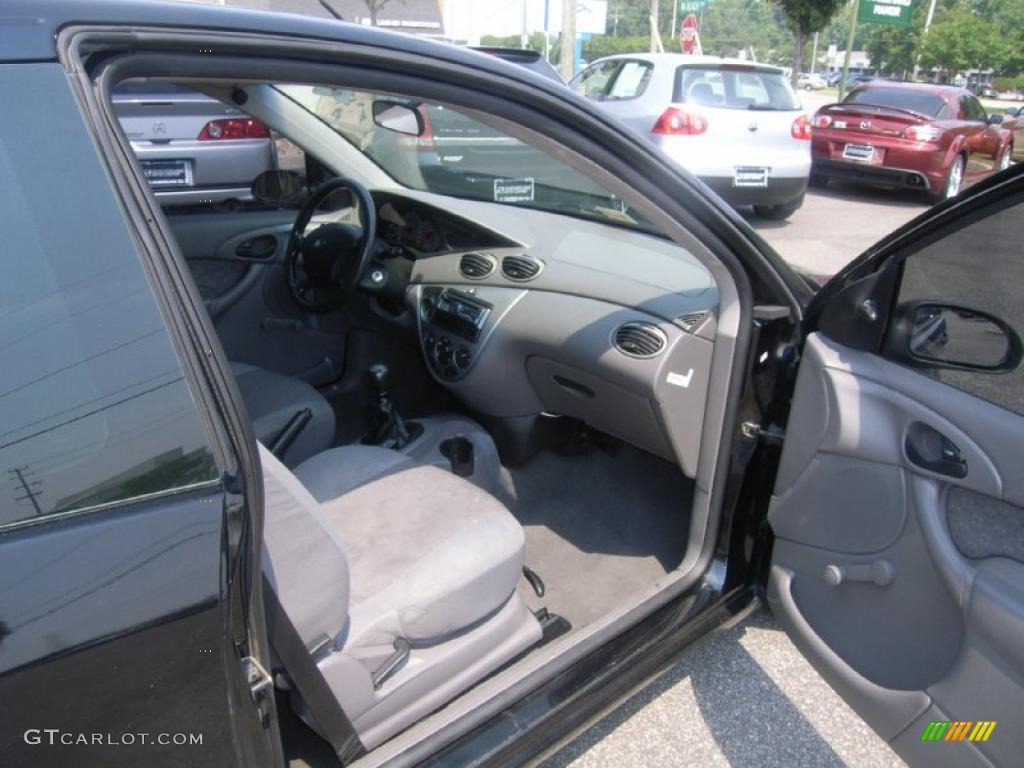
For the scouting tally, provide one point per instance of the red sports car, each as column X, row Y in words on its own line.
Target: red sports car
column 934, row 138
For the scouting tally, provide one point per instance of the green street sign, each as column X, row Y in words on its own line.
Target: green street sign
column 895, row 13
column 692, row 6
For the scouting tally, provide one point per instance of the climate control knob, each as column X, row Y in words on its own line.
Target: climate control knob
column 463, row 357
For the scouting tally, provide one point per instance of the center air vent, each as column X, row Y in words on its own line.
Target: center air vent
column 639, row 339
column 476, row 266
column 520, row 268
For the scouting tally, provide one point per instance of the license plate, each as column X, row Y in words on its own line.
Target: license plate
column 863, row 153
column 750, row 177
column 168, row 173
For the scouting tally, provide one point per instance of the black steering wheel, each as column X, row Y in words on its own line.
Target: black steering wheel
column 325, row 266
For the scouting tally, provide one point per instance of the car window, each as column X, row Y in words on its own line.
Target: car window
column 902, row 98
column 196, row 152
column 977, row 267
column 462, row 156
column 734, row 87
column 593, row 81
column 94, row 408
column 631, row 81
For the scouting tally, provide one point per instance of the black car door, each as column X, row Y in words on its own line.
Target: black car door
column 124, row 543
column 898, row 510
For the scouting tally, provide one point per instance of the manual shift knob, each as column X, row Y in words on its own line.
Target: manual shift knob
column 379, row 377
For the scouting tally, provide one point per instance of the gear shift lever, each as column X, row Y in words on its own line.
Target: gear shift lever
column 387, row 428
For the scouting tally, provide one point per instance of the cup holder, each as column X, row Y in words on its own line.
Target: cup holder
column 459, row 452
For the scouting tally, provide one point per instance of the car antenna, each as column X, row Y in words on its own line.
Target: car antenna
column 331, row 10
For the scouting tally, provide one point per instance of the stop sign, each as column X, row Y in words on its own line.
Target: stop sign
column 688, row 34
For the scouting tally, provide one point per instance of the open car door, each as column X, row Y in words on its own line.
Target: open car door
column 898, row 510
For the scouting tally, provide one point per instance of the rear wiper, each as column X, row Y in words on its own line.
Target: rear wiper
column 767, row 108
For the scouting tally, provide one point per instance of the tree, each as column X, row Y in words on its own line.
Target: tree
column 805, row 17
column 376, row 6
column 961, row 40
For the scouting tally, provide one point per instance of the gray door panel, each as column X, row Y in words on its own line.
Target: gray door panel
column 237, row 260
column 904, row 586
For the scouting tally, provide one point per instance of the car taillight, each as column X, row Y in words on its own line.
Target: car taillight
column 234, row 128
column 676, row 122
column 922, row 133
column 801, row 128
column 426, row 141
column 822, row 121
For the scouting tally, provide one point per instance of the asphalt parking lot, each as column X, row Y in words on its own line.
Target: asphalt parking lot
column 743, row 697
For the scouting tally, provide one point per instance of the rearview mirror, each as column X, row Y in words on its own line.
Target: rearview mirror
column 398, row 117
column 284, row 189
column 933, row 335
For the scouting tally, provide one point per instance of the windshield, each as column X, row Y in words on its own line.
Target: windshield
column 902, row 98
column 737, row 88
column 460, row 156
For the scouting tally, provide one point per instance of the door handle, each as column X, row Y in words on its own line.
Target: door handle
column 880, row 573
column 931, row 450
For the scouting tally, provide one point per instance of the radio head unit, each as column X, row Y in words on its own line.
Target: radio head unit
column 459, row 314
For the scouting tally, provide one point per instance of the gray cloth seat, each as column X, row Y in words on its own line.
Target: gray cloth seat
column 272, row 399
column 363, row 546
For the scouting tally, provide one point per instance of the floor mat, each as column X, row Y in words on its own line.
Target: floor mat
column 598, row 528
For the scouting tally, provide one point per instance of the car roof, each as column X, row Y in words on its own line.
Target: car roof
column 684, row 59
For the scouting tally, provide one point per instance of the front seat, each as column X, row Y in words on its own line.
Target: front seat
column 273, row 399
column 369, row 552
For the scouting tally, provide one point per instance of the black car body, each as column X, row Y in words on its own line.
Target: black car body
column 161, row 599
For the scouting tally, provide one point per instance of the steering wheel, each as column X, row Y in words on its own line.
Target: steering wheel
column 325, row 266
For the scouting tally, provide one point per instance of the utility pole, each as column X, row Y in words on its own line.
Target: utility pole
column 567, row 56
column 656, row 44
column 849, row 47
column 547, row 35
column 675, row 18
column 927, row 24
column 31, row 494
column 524, row 36
column 814, row 53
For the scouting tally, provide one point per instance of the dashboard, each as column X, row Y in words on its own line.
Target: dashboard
column 534, row 312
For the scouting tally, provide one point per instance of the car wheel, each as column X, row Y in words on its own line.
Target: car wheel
column 954, row 180
column 818, row 180
column 779, row 212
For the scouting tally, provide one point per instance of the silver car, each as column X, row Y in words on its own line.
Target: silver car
column 193, row 148
column 736, row 124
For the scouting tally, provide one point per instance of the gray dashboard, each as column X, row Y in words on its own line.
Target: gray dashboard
column 616, row 327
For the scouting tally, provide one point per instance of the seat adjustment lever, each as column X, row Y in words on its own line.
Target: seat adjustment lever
column 392, row 663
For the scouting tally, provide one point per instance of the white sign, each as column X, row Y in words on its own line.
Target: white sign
column 591, row 17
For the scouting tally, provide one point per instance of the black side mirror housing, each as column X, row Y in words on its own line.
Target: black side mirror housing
column 995, row 119
column 928, row 334
column 398, row 117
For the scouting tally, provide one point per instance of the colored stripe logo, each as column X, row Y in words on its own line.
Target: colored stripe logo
column 958, row 730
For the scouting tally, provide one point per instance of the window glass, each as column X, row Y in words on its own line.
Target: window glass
column 461, row 156
column 93, row 405
column 978, row 267
column 631, row 81
column 901, row 98
column 735, row 88
column 195, row 151
column 593, row 81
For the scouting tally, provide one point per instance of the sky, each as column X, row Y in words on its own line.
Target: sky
column 468, row 19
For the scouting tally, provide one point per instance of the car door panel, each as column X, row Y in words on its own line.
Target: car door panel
column 850, row 496
column 237, row 260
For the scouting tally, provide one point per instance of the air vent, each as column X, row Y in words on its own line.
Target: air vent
column 690, row 322
column 639, row 339
column 476, row 266
column 520, row 268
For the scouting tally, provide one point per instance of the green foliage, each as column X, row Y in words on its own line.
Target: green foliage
column 536, row 41
column 961, row 40
column 805, row 17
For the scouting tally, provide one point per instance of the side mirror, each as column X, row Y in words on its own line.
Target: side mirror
column 933, row 335
column 1012, row 111
column 398, row 117
column 284, row 189
column 995, row 119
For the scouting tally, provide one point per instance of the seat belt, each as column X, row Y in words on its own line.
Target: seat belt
column 332, row 721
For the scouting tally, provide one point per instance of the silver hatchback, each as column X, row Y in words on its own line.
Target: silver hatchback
column 736, row 124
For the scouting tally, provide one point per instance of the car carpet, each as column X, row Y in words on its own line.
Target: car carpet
column 598, row 528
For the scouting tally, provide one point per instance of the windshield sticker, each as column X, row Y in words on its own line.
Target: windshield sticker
column 513, row 190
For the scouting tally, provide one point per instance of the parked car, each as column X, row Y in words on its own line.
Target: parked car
column 811, row 82
column 932, row 138
column 524, row 57
column 633, row 423
column 192, row 148
column 735, row 124
column 1014, row 121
